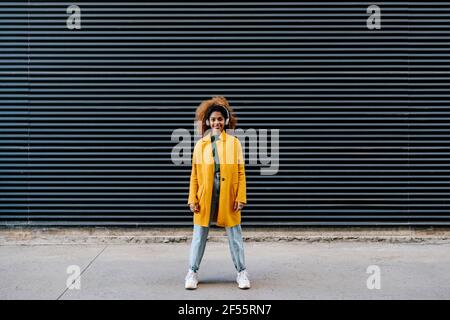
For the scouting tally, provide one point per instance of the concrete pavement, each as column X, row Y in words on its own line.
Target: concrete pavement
column 278, row 270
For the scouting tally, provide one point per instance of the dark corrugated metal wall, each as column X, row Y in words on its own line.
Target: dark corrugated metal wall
column 87, row 115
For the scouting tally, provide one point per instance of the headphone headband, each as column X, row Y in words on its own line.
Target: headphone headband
column 227, row 121
column 223, row 107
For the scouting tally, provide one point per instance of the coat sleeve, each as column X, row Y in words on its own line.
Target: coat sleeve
column 193, row 185
column 242, row 188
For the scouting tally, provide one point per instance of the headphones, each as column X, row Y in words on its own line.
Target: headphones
column 227, row 120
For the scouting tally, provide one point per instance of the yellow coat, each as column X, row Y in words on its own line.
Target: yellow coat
column 232, row 176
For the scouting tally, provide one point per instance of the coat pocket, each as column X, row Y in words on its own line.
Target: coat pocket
column 234, row 178
column 200, row 192
column 234, row 191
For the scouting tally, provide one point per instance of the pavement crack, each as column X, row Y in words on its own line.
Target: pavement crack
column 89, row 264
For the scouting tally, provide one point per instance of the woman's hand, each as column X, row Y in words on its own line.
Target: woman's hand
column 238, row 206
column 194, row 207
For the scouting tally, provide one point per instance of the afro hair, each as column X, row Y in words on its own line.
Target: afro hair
column 203, row 111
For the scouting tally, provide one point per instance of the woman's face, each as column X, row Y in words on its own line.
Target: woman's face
column 217, row 122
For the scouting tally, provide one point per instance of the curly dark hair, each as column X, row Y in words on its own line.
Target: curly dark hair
column 206, row 107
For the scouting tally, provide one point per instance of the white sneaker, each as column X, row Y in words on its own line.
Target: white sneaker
column 191, row 280
column 242, row 280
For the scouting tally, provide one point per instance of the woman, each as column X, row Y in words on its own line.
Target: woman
column 217, row 191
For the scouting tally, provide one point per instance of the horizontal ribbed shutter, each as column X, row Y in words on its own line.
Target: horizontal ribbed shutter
column 87, row 115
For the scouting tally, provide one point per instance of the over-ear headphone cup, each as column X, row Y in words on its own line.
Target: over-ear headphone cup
column 207, row 122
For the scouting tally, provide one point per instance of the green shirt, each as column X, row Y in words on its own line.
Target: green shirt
column 214, row 138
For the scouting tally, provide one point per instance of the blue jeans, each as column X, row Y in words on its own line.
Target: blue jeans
column 235, row 242
column 234, row 234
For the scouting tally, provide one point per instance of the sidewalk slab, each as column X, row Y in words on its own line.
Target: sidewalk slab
column 40, row 272
column 278, row 270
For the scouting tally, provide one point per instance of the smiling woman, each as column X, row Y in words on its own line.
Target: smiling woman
column 217, row 191
column 217, row 103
